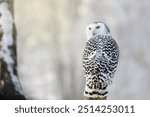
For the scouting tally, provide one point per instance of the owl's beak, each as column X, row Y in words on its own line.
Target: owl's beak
column 94, row 33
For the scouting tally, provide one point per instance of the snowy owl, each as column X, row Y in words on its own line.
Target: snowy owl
column 100, row 59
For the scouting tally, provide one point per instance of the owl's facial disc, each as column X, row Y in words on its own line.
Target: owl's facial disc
column 95, row 29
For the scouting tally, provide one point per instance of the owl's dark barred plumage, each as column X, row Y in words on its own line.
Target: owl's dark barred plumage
column 100, row 59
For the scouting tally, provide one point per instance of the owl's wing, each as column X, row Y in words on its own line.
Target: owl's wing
column 89, row 55
column 107, row 57
column 110, row 50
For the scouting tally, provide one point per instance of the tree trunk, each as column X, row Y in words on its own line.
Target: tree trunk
column 10, row 87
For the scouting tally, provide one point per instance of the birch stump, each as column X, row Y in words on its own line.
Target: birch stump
column 10, row 87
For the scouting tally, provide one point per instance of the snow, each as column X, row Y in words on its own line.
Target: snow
column 6, row 22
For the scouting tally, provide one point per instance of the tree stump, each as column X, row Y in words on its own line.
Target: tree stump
column 102, row 98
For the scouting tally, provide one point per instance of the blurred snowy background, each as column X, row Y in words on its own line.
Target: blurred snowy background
column 51, row 38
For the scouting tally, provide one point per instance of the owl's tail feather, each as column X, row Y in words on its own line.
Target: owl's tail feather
column 95, row 89
column 95, row 95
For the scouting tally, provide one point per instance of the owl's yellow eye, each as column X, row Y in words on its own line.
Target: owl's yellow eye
column 97, row 27
column 89, row 28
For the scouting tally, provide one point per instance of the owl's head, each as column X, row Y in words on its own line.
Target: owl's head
column 97, row 28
